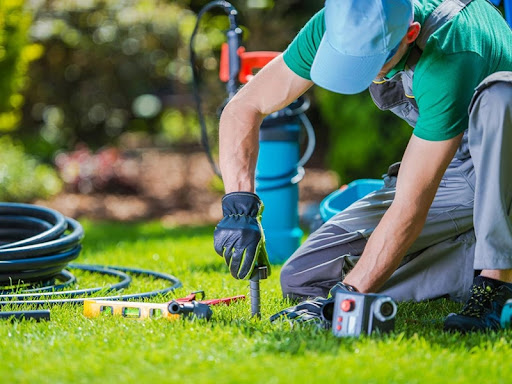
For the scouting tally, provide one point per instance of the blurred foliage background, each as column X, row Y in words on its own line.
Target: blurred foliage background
column 116, row 72
column 22, row 177
column 15, row 55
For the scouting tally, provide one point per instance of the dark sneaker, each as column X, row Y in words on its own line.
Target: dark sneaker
column 483, row 309
column 317, row 311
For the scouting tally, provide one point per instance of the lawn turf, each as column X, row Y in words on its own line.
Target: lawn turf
column 232, row 347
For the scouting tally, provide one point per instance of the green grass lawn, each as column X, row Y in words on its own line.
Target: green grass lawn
column 232, row 347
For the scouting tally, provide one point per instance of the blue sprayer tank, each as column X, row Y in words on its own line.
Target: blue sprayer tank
column 277, row 177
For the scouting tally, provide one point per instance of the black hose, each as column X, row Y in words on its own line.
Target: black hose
column 232, row 14
column 65, row 278
column 37, row 243
column 120, row 271
column 124, row 282
column 53, row 241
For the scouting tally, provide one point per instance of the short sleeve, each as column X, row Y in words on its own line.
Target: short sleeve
column 443, row 88
column 301, row 52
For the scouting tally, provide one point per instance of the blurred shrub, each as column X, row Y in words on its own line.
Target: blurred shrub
column 22, row 177
column 364, row 141
column 112, row 67
column 15, row 55
column 116, row 66
column 183, row 126
column 106, row 170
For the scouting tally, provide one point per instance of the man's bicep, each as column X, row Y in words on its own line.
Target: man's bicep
column 273, row 88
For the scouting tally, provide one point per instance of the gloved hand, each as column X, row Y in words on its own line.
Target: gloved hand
column 239, row 236
column 318, row 311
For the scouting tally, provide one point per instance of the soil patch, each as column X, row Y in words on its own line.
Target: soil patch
column 178, row 188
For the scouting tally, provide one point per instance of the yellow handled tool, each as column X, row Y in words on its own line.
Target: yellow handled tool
column 172, row 310
column 128, row 309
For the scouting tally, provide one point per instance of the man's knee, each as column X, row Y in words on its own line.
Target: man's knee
column 287, row 280
column 285, row 277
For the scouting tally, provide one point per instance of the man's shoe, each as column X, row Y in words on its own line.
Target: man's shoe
column 317, row 311
column 483, row 309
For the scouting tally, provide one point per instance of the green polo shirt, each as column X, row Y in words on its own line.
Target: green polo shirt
column 457, row 57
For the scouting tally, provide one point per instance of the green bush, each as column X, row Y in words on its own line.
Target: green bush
column 22, row 177
column 363, row 141
column 15, row 55
column 182, row 126
column 114, row 67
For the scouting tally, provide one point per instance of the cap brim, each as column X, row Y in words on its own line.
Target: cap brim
column 345, row 74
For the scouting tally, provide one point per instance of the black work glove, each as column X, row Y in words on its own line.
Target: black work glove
column 239, row 236
column 318, row 311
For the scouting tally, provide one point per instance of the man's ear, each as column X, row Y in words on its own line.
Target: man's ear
column 413, row 32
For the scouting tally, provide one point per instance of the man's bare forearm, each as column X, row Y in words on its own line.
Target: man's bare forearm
column 388, row 244
column 239, row 145
column 422, row 169
column 273, row 88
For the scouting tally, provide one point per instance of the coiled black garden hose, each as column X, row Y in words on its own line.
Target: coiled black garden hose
column 36, row 245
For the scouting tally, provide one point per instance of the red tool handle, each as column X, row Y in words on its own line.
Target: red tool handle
column 194, row 296
column 250, row 63
column 225, row 300
column 190, row 297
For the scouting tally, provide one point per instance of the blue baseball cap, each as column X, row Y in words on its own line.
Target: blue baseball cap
column 359, row 37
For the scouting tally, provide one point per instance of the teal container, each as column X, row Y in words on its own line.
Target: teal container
column 338, row 200
column 506, row 315
column 277, row 177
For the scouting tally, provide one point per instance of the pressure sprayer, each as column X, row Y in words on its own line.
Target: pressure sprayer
column 279, row 168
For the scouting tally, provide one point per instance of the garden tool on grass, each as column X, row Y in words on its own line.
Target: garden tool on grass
column 260, row 273
column 187, row 307
column 346, row 311
column 277, row 178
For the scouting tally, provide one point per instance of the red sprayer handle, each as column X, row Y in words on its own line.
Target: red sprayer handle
column 250, row 63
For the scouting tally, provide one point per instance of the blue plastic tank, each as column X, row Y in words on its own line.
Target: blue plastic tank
column 277, row 177
column 338, row 200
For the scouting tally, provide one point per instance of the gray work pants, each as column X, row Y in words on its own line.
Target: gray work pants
column 476, row 191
